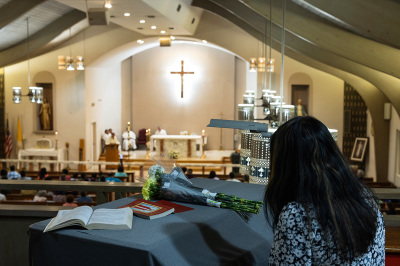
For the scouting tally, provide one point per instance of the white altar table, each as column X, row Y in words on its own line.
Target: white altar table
column 44, row 154
column 186, row 145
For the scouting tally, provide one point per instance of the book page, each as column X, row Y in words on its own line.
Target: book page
column 110, row 217
column 68, row 217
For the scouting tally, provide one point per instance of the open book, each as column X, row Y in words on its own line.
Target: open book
column 111, row 219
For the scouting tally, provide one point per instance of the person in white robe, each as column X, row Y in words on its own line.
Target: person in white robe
column 160, row 131
column 113, row 140
column 128, row 140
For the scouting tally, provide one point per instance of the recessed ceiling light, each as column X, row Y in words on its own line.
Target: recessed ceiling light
column 140, row 41
column 142, row 21
column 204, row 41
column 107, row 4
column 127, row 14
column 163, row 31
column 153, row 27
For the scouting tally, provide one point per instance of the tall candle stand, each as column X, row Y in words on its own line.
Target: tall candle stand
column 56, row 140
column 67, row 148
column 148, row 133
column 129, row 143
column 203, row 136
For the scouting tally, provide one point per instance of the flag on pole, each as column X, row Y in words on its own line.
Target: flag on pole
column 8, row 144
column 19, row 135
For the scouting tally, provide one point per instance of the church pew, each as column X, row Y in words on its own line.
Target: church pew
column 19, row 197
column 221, row 177
column 55, row 203
column 102, row 189
column 14, row 223
column 23, row 202
column 49, row 202
column 380, row 184
column 205, row 166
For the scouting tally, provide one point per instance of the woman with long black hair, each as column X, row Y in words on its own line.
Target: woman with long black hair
column 321, row 213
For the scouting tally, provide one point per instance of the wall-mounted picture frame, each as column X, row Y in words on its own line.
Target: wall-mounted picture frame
column 359, row 149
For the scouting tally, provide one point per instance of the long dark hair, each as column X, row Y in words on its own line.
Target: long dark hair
column 42, row 173
column 307, row 167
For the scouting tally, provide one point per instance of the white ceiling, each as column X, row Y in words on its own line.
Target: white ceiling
column 154, row 13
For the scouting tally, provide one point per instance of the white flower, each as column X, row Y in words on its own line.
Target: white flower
column 173, row 154
column 154, row 168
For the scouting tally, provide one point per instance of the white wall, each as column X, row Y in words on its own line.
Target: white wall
column 370, row 166
column 394, row 127
column 326, row 92
column 156, row 95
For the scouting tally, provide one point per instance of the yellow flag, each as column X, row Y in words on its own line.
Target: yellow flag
column 19, row 135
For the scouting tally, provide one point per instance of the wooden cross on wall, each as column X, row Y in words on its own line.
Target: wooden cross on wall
column 182, row 73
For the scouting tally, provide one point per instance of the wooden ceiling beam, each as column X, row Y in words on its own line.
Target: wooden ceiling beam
column 19, row 52
column 324, row 34
column 15, row 9
column 376, row 20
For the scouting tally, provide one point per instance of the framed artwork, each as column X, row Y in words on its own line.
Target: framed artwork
column 359, row 148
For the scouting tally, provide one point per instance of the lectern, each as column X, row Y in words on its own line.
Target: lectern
column 111, row 155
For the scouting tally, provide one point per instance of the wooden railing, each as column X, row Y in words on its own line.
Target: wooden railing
column 61, row 164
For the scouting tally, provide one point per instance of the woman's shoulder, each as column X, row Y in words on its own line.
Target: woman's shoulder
column 294, row 208
column 293, row 214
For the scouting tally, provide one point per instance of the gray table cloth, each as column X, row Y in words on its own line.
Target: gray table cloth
column 203, row 236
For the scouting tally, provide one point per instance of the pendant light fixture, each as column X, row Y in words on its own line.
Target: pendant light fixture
column 35, row 94
column 68, row 62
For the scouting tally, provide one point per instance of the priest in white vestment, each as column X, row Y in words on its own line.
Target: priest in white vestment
column 104, row 137
column 160, row 131
column 128, row 140
column 113, row 140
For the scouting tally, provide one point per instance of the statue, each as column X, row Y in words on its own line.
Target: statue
column 299, row 109
column 45, row 115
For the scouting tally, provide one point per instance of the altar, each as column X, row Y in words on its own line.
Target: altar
column 185, row 145
column 42, row 154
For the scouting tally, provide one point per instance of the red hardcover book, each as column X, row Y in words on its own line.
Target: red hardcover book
column 148, row 209
column 178, row 207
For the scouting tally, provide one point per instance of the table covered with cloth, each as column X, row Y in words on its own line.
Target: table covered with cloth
column 203, row 236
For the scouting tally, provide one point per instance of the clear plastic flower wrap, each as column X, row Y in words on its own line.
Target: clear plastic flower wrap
column 176, row 187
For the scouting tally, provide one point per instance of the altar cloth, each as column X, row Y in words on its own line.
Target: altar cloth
column 59, row 154
column 42, row 154
column 203, row 236
column 185, row 145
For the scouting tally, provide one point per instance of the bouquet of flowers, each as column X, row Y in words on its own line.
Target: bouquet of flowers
column 176, row 187
column 173, row 154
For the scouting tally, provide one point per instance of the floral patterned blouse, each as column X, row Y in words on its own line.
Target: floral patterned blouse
column 295, row 245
